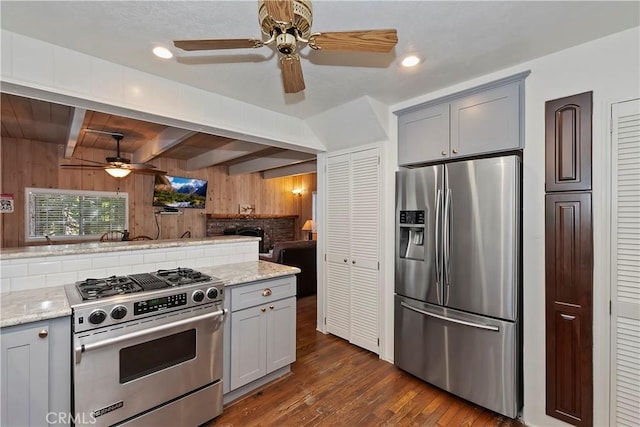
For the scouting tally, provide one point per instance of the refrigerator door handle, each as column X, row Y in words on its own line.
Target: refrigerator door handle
column 446, row 220
column 452, row 320
column 438, row 249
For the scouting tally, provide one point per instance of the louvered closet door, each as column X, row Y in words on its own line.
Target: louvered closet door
column 625, row 265
column 338, row 246
column 365, row 230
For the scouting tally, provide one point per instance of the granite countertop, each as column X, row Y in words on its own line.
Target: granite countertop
column 99, row 247
column 31, row 305
column 245, row 272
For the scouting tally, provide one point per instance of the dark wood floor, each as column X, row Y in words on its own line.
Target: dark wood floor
column 334, row 383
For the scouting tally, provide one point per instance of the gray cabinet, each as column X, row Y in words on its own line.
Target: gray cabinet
column 36, row 373
column 423, row 134
column 261, row 330
column 482, row 120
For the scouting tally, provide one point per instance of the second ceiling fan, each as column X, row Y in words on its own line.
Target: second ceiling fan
column 287, row 24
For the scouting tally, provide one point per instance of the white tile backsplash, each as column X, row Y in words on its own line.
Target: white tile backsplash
column 155, row 257
column 58, row 279
column 130, row 259
column 76, row 264
column 106, row 261
column 32, row 273
column 10, row 270
column 28, row 282
column 45, row 267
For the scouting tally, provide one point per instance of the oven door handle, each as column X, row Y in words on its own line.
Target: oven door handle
column 100, row 344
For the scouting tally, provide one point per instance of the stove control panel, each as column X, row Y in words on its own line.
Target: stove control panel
column 162, row 303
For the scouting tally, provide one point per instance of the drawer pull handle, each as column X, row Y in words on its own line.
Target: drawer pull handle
column 43, row 333
column 444, row 153
column 345, row 260
column 266, row 292
column 353, row 262
column 567, row 317
column 263, row 309
column 455, row 151
column 271, row 307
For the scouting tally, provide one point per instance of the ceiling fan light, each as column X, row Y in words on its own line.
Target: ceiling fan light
column 118, row 172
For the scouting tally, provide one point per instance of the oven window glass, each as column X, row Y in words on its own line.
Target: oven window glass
column 152, row 356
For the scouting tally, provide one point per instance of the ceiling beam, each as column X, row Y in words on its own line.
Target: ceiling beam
column 297, row 169
column 75, row 124
column 170, row 137
column 284, row 158
column 226, row 152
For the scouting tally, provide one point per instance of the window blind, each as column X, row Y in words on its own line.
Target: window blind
column 70, row 213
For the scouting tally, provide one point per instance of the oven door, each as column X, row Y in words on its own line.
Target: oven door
column 124, row 370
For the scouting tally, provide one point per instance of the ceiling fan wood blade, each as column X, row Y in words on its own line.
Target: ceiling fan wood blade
column 214, row 44
column 90, row 161
column 149, row 171
column 77, row 166
column 280, row 10
column 377, row 41
column 292, row 77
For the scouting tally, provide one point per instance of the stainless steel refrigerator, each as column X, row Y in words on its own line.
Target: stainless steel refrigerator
column 457, row 279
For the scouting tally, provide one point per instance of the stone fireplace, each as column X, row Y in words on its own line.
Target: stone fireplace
column 274, row 228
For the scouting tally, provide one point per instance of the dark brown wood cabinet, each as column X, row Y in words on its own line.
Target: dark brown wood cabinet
column 568, row 143
column 569, row 255
column 569, row 260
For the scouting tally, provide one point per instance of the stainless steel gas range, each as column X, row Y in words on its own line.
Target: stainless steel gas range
column 147, row 348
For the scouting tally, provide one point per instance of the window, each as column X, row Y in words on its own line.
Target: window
column 74, row 214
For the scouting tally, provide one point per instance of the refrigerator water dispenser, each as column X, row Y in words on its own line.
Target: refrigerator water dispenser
column 412, row 235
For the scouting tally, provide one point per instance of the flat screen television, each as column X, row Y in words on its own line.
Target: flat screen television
column 179, row 192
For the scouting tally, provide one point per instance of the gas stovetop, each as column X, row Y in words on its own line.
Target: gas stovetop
column 91, row 289
column 113, row 300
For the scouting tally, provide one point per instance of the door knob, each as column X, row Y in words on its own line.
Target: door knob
column 271, row 307
column 266, row 292
column 353, row 262
column 263, row 309
column 345, row 260
column 455, row 151
column 43, row 333
column 444, row 153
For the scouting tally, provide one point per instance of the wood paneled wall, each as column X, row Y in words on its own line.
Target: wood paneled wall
column 27, row 163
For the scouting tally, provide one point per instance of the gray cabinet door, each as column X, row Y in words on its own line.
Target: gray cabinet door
column 281, row 334
column 486, row 122
column 25, row 375
column 248, row 346
column 423, row 135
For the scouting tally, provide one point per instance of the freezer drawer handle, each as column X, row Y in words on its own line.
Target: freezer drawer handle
column 567, row 317
column 111, row 341
column 461, row 322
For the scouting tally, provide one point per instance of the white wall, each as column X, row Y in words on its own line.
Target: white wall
column 610, row 67
column 41, row 70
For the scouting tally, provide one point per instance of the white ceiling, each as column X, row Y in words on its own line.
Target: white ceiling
column 458, row 41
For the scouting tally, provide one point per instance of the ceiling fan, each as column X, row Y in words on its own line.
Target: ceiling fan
column 287, row 23
column 117, row 167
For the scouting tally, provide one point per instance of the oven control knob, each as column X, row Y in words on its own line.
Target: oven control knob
column 198, row 296
column 212, row 293
column 97, row 316
column 118, row 312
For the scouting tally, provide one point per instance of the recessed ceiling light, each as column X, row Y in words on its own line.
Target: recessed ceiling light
column 162, row 52
column 410, row 61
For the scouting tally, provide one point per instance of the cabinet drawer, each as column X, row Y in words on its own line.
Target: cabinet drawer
column 262, row 292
